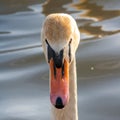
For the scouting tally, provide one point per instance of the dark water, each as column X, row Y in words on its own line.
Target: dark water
column 24, row 89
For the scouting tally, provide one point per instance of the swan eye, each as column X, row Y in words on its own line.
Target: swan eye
column 50, row 51
column 69, row 52
column 46, row 42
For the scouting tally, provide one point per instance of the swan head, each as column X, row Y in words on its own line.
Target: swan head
column 60, row 38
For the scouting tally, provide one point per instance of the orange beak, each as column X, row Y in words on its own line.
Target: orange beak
column 59, row 84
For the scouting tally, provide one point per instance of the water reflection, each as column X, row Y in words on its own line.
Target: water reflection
column 13, row 6
column 96, row 13
column 53, row 6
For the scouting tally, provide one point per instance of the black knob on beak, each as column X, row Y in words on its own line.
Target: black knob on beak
column 58, row 59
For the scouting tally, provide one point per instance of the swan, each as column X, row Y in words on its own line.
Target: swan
column 60, row 39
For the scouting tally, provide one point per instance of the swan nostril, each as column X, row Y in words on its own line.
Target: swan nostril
column 59, row 103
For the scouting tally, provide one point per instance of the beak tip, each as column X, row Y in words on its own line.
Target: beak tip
column 59, row 102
